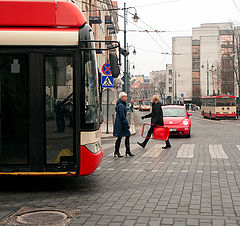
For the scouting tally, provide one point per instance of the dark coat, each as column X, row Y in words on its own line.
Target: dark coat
column 156, row 115
column 121, row 126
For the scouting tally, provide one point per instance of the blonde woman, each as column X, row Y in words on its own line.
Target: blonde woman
column 156, row 119
column 121, row 126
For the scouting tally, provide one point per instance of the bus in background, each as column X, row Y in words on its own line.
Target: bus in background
column 49, row 90
column 144, row 105
column 216, row 107
column 135, row 104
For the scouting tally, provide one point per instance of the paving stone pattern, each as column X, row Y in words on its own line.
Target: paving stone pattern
column 184, row 185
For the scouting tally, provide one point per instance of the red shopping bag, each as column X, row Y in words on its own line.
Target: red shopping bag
column 159, row 133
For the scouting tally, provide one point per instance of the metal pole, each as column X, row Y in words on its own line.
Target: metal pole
column 213, row 81
column 207, row 79
column 107, row 132
column 175, row 86
column 238, row 53
column 125, row 47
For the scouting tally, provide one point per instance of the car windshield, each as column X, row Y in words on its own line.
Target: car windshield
column 174, row 112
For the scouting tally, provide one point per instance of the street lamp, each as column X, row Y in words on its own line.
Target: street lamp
column 135, row 18
column 207, row 76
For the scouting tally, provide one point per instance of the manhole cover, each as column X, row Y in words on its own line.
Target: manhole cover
column 42, row 217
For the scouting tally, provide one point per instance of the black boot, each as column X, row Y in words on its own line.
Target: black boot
column 144, row 143
column 128, row 152
column 168, row 145
column 141, row 144
column 117, row 147
column 127, row 144
column 117, row 154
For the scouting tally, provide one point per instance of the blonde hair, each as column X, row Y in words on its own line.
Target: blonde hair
column 156, row 99
column 122, row 94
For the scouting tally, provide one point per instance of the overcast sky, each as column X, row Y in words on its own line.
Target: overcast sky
column 176, row 17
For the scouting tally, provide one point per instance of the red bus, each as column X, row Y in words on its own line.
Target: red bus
column 135, row 104
column 222, row 106
column 144, row 105
column 49, row 91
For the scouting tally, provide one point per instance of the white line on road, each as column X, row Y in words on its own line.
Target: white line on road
column 216, row 151
column 186, row 151
column 238, row 147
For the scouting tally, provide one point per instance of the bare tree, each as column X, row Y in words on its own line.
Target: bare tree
column 159, row 85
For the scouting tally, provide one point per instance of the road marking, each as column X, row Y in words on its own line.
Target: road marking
column 153, row 152
column 214, row 171
column 216, row 151
column 238, row 147
column 186, row 151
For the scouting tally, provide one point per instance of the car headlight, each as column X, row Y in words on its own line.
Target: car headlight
column 185, row 122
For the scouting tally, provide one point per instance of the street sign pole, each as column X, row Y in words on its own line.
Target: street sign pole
column 107, row 132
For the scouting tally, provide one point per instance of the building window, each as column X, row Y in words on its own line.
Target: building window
column 196, row 50
column 170, row 81
column 227, row 39
column 170, row 89
column 170, row 72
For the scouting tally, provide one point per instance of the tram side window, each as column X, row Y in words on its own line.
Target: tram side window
column 209, row 102
column 226, row 102
column 91, row 90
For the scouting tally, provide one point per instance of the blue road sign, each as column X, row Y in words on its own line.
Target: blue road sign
column 107, row 81
column 106, row 69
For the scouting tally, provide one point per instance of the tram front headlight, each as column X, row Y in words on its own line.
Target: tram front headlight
column 94, row 148
column 185, row 122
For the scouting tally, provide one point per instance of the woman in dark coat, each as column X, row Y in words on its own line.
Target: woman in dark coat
column 121, row 126
column 156, row 119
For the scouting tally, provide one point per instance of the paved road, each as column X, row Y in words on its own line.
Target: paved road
column 196, row 182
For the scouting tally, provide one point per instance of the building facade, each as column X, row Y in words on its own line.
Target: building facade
column 103, row 18
column 205, row 63
column 169, row 84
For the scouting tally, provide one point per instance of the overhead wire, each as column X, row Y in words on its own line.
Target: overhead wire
column 236, row 6
column 148, row 34
column 159, row 3
column 159, row 36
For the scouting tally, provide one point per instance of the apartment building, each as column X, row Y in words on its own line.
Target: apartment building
column 205, row 63
column 169, row 84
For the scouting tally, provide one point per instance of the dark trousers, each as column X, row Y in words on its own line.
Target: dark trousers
column 150, row 132
column 118, row 143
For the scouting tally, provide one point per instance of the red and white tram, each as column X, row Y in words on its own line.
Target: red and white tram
column 49, row 91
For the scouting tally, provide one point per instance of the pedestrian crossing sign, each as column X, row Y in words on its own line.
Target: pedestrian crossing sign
column 107, row 82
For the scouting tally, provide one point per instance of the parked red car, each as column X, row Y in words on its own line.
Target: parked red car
column 177, row 120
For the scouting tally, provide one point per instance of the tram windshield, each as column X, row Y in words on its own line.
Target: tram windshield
column 92, row 103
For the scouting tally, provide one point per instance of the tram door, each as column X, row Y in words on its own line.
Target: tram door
column 36, row 111
column 14, row 109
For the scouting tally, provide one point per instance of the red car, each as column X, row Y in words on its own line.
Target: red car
column 177, row 120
